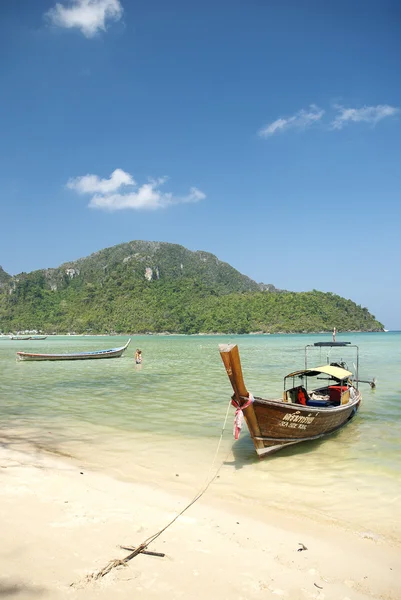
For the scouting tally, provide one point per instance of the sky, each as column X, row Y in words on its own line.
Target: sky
column 265, row 132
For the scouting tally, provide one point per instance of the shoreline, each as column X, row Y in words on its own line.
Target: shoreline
column 200, row 333
column 63, row 521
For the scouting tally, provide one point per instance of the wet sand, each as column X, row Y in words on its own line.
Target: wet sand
column 63, row 522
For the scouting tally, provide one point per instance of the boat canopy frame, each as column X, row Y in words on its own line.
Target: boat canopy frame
column 330, row 345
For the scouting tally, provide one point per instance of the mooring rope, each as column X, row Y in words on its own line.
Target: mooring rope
column 135, row 551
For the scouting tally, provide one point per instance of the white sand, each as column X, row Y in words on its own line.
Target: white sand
column 60, row 522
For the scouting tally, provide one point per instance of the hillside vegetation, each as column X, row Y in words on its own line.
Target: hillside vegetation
column 5, row 278
column 152, row 287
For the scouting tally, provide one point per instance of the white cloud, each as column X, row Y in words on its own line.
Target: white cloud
column 367, row 114
column 301, row 120
column 88, row 184
column 111, row 194
column 90, row 16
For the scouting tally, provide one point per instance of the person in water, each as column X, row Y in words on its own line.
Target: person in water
column 334, row 334
column 138, row 356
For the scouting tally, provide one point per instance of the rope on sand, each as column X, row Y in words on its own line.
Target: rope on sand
column 142, row 547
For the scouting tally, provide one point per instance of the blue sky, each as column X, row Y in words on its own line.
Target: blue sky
column 267, row 133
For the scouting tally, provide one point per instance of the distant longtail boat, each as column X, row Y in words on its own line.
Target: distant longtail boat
column 111, row 353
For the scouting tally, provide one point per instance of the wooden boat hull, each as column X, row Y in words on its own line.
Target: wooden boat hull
column 24, row 338
column 280, row 424
column 97, row 354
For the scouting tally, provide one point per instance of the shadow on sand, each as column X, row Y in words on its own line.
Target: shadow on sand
column 10, row 588
column 31, row 444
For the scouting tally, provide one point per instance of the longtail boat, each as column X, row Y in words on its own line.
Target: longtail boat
column 20, row 338
column 111, row 353
column 308, row 410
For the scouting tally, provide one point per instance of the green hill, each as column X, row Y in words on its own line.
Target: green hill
column 154, row 287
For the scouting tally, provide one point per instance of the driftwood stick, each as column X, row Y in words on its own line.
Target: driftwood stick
column 144, row 551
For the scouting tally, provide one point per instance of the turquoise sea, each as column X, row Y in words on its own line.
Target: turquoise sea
column 160, row 423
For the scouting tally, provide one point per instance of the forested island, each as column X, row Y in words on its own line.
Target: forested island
column 157, row 287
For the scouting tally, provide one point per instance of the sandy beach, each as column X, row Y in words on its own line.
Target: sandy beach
column 62, row 523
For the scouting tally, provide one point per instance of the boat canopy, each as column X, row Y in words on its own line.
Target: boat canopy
column 332, row 371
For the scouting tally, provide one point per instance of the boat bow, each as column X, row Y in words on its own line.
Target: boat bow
column 231, row 359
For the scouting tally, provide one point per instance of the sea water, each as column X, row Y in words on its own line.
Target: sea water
column 161, row 423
